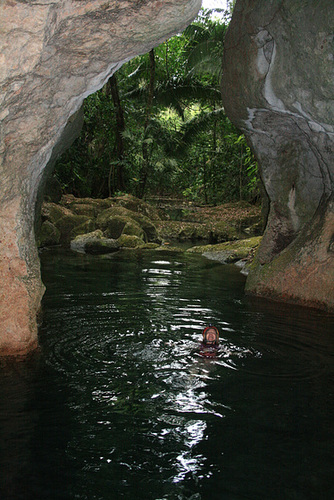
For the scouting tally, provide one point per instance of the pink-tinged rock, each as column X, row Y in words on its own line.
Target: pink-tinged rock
column 54, row 53
column 21, row 288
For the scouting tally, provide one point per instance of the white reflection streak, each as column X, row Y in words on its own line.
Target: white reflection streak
column 194, row 434
column 189, row 401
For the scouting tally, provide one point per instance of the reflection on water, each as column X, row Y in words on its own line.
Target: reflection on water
column 118, row 404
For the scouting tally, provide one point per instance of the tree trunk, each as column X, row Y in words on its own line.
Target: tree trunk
column 205, row 181
column 118, row 182
column 146, row 157
column 240, row 173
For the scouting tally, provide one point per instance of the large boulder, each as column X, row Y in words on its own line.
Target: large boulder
column 114, row 219
column 53, row 55
column 112, row 225
column 117, row 225
column 278, row 87
column 67, row 223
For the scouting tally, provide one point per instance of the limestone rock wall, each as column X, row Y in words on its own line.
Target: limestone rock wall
column 53, row 54
column 278, row 87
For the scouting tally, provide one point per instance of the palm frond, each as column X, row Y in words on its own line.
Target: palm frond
column 206, row 58
column 177, row 92
column 199, row 124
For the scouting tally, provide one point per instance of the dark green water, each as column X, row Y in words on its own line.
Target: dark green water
column 118, row 405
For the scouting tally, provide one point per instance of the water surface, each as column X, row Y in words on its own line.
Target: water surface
column 117, row 403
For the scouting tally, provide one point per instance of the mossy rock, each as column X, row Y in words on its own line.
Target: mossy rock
column 53, row 212
column 48, row 235
column 105, row 216
column 87, row 227
column 150, row 246
column 104, row 220
column 223, row 231
column 94, row 243
column 89, row 209
column 66, row 225
column 98, row 204
column 183, row 231
column 200, row 248
column 104, row 203
column 170, row 249
column 113, row 225
column 130, row 241
column 228, row 256
column 133, row 229
column 230, row 251
column 148, row 227
column 103, row 246
column 139, row 206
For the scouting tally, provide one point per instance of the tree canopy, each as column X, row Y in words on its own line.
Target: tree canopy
column 158, row 127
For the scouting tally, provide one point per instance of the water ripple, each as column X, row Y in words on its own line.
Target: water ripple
column 124, row 334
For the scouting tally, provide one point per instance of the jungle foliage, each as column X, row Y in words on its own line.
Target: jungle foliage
column 158, row 128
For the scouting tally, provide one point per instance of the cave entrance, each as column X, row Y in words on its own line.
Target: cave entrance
column 157, row 131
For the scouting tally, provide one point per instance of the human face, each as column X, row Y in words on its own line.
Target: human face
column 211, row 336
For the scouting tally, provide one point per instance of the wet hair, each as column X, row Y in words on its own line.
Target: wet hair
column 207, row 331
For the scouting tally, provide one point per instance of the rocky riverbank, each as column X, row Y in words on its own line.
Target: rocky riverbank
column 227, row 233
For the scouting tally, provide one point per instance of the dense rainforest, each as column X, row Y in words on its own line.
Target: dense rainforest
column 158, row 128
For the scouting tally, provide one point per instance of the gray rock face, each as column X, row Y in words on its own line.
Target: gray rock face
column 54, row 54
column 278, row 87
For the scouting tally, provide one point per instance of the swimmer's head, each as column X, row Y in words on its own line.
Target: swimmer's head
column 210, row 335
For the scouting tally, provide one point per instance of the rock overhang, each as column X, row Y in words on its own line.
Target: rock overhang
column 54, row 54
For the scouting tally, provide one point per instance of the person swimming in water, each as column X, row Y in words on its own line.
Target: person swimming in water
column 210, row 344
